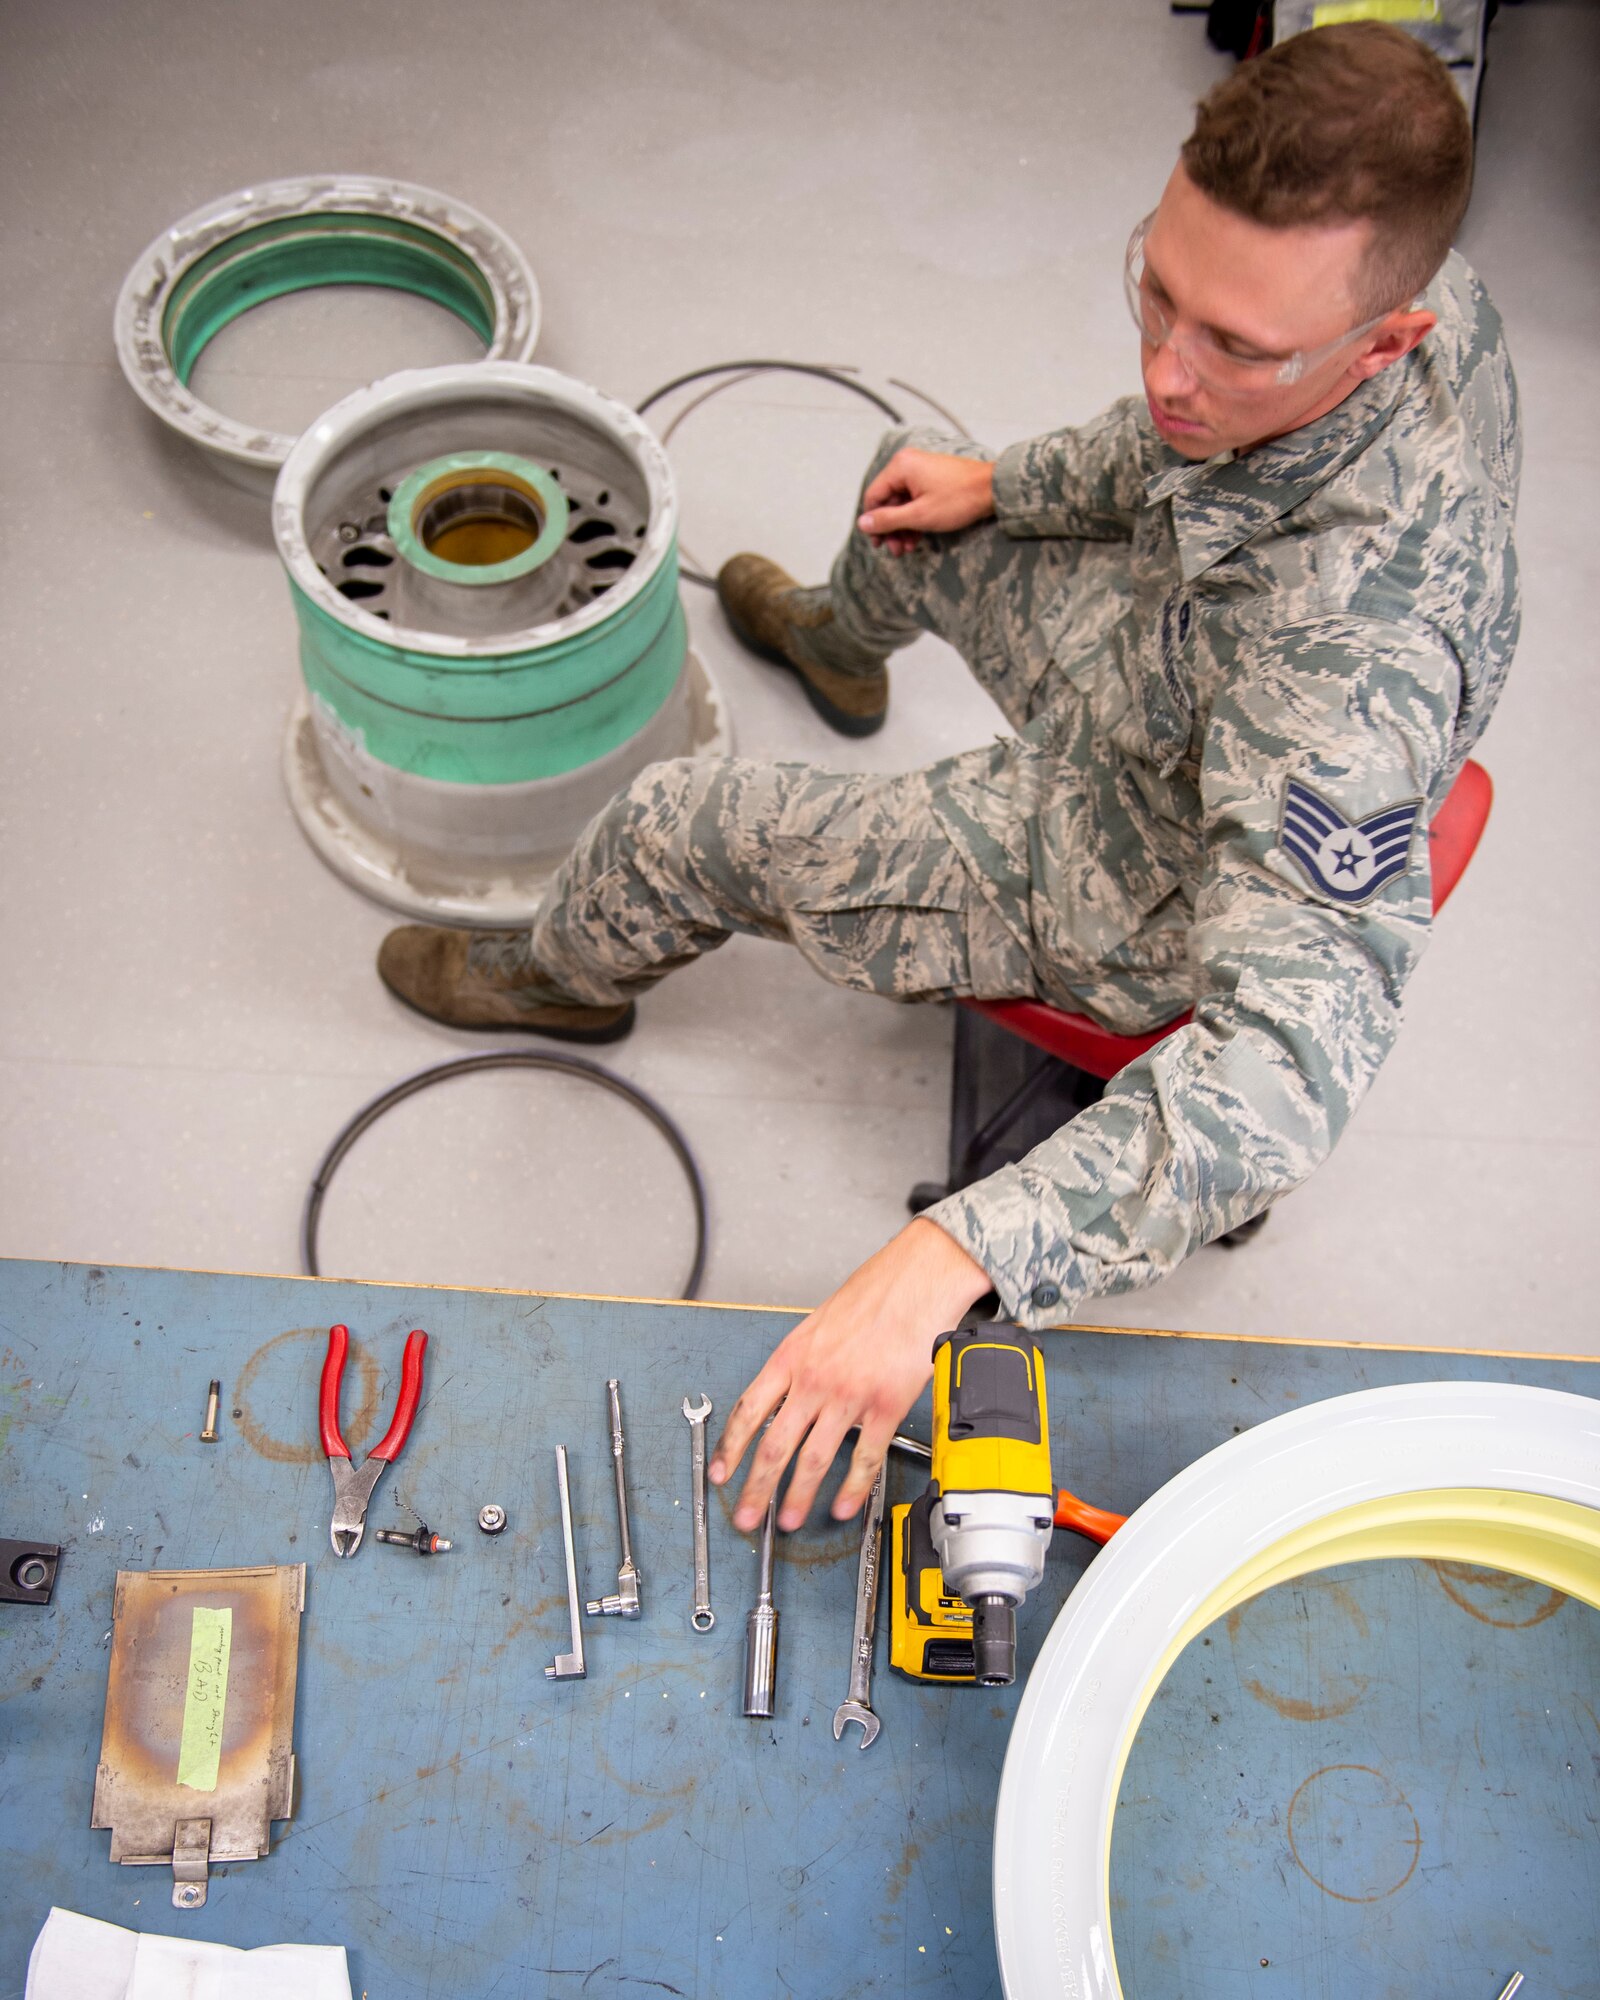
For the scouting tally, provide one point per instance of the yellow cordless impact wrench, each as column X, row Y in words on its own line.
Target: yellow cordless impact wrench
column 991, row 1503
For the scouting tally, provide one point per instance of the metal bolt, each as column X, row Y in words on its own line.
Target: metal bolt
column 213, row 1395
column 491, row 1519
column 349, row 531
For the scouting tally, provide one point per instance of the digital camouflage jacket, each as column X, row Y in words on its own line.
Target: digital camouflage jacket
column 1284, row 660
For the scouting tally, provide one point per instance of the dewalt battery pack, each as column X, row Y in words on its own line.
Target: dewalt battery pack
column 930, row 1632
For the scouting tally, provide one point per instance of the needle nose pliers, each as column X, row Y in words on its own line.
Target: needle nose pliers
column 352, row 1485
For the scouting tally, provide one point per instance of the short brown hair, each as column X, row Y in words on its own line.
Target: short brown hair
column 1343, row 124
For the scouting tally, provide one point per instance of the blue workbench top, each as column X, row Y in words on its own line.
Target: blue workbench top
column 1381, row 1781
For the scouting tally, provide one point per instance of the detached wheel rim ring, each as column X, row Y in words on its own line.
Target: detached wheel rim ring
column 285, row 236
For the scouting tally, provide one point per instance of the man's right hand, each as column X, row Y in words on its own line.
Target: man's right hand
column 925, row 492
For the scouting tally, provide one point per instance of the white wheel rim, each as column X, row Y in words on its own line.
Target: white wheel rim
column 1481, row 1472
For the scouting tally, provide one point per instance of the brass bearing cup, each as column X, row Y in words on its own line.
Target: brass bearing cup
column 478, row 519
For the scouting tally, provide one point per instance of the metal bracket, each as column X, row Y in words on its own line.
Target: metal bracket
column 28, row 1571
column 191, row 1860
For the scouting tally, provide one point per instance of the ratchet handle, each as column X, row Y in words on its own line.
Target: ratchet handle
column 1094, row 1522
column 390, row 1444
column 333, row 1444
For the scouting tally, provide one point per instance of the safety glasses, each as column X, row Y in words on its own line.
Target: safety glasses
column 1210, row 357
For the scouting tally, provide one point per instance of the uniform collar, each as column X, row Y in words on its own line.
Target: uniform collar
column 1220, row 504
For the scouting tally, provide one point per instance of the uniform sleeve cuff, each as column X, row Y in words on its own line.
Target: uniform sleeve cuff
column 997, row 1223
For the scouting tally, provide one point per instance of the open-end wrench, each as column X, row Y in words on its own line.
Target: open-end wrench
column 702, row 1617
column 857, row 1704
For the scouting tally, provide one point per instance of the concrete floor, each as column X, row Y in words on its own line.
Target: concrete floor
column 935, row 192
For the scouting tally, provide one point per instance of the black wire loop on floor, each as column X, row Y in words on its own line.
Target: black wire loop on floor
column 783, row 367
column 735, row 371
column 575, row 1066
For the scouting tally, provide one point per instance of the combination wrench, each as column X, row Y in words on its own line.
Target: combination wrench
column 702, row 1617
column 857, row 1704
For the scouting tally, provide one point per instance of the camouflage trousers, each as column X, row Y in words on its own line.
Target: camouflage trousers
column 855, row 869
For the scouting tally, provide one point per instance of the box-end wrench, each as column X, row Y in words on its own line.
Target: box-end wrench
column 857, row 1705
column 702, row 1618
column 624, row 1602
column 568, row 1666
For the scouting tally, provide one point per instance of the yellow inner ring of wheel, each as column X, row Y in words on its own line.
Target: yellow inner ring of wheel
column 476, row 537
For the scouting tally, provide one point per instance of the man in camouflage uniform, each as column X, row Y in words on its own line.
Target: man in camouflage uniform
column 1246, row 628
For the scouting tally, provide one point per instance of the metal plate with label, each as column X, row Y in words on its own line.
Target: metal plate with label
column 197, row 1755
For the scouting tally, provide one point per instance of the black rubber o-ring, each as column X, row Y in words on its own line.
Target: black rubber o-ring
column 589, row 1072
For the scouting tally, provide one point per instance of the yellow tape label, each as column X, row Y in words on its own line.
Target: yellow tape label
column 1333, row 13
column 205, row 1700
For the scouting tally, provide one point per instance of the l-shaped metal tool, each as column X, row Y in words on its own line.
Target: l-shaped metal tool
column 568, row 1666
column 624, row 1601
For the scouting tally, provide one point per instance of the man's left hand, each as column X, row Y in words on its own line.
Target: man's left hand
column 861, row 1359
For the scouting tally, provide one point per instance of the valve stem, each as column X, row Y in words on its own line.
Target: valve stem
column 424, row 1541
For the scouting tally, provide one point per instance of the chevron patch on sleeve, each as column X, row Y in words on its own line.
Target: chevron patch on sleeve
column 1346, row 860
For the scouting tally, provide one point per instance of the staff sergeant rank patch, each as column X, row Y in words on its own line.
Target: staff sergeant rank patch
column 1347, row 860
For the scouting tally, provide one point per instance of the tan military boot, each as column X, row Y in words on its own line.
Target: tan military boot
column 783, row 623
column 486, row 979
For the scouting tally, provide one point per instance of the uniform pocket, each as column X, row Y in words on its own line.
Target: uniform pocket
column 879, row 914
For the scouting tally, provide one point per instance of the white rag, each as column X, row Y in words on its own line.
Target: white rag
column 80, row 1958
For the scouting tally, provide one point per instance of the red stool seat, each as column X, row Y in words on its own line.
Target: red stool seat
column 1075, row 1039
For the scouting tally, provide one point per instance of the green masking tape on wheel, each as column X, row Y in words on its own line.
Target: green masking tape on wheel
column 478, row 518
column 498, row 719
column 276, row 258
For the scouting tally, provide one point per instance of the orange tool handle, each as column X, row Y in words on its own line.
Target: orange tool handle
column 389, row 1446
column 333, row 1444
column 1082, row 1519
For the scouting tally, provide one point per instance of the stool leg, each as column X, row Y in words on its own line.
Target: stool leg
column 964, row 1069
column 984, row 1060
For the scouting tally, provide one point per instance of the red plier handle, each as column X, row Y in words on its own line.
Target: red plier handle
column 1095, row 1522
column 389, row 1445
